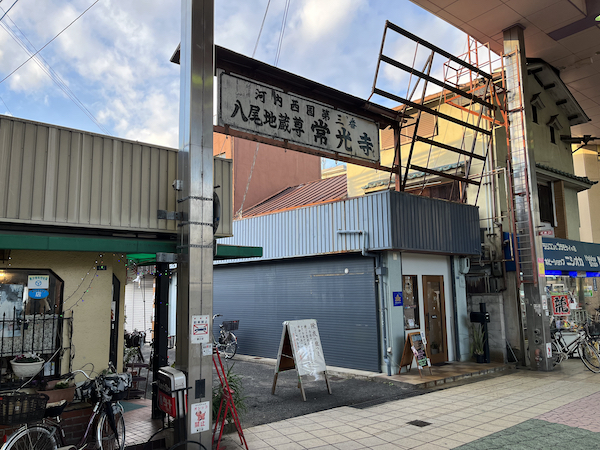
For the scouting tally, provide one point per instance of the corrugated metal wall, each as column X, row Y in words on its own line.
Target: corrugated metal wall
column 388, row 220
column 57, row 176
column 435, row 226
column 267, row 293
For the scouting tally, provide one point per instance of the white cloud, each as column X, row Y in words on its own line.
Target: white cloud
column 116, row 57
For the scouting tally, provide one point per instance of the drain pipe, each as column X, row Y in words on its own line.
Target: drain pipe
column 455, row 309
column 379, row 271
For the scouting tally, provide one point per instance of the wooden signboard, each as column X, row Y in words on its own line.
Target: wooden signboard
column 300, row 348
column 415, row 347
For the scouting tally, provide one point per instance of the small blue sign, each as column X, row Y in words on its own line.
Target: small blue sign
column 38, row 293
column 398, row 300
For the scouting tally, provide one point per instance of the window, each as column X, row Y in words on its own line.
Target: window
column 552, row 135
column 534, row 114
column 546, row 203
column 411, row 302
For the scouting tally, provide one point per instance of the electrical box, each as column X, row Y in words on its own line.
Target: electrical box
column 171, row 387
column 223, row 177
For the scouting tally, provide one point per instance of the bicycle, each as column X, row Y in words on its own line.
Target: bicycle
column 48, row 434
column 227, row 343
column 583, row 345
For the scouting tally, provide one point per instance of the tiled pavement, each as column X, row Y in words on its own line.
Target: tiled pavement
column 521, row 410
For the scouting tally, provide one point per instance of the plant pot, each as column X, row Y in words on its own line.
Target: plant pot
column 25, row 370
column 480, row 358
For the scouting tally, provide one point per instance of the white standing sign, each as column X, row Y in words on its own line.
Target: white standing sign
column 300, row 348
column 264, row 110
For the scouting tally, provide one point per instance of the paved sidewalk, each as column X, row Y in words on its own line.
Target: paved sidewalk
column 522, row 410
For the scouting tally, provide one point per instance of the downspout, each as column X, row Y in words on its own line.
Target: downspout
column 379, row 271
column 455, row 308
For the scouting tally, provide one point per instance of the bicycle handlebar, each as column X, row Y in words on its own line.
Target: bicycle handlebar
column 72, row 374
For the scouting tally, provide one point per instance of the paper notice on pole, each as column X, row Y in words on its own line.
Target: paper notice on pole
column 199, row 330
column 207, row 349
column 200, row 417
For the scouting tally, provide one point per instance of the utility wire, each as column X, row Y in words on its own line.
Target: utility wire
column 1, row 99
column 261, row 28
column 43, row 64
column 283, row 23
column 54, row 77
column 8, row 10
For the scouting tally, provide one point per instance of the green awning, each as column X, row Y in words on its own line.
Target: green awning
column 140, row 251
column 28, row 241
column 223, row 252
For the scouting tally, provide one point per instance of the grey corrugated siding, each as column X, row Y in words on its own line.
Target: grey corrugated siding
column 430, row 225
column 389, row 221
column 57, row 176
column 265, row 294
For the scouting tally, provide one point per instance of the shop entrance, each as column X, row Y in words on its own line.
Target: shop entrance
column 435, row 318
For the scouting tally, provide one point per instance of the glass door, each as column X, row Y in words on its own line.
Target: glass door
column 435, row 318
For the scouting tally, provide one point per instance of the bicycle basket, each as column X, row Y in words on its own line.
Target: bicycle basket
column 594, row 329
column 230, row 325
column 18, row 407
column 116, row 384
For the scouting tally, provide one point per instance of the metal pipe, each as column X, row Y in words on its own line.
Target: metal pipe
column 455, row 309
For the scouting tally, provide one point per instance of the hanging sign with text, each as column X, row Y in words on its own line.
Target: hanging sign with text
column 264, row 110
column 560, row 305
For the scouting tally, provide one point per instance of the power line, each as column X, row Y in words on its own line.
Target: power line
column 43, row 64
column 261, row 28
column 8, row 10
column 48, row 70
column 1, row 99
column 283, row 23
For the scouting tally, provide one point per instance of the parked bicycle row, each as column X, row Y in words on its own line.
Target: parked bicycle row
column 42, row 427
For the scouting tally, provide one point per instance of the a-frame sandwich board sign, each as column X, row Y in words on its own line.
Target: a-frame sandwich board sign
column 415, row 347
column 300, row 348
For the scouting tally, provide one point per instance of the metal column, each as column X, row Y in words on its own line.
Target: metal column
column 525, row 198
column 161, row 328
column 195, row 174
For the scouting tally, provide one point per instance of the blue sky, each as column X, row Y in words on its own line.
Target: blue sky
column 115, row 58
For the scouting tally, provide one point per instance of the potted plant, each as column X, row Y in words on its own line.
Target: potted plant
column 58, row 390
column 235, row 384
column 478, row 342
column 27, row 365
column 435, row 348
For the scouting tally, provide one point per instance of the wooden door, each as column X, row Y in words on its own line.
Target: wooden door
column 435, row 318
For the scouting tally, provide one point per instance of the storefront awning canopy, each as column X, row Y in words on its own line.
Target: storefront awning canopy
column 141, row 251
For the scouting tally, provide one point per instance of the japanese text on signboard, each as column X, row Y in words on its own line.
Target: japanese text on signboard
column 267, row 111
column 560, row 305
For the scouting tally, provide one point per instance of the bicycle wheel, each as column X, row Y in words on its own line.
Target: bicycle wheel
column 589, row 356
column 106, row 437
column 556, row 354
column 229, row 347
column 35, row 437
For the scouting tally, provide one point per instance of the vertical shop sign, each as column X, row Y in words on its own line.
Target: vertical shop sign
column 560, row 305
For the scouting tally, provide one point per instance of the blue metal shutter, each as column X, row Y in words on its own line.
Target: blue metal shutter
column 264, row 294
